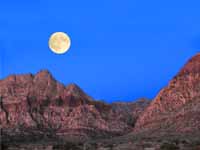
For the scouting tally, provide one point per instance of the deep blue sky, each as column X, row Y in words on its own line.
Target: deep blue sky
column 121, row 50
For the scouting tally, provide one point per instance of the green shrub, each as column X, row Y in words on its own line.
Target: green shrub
column 169, row 146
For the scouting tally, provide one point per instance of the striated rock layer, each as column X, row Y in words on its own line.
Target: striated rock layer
column 38, row 104
column 176, row 108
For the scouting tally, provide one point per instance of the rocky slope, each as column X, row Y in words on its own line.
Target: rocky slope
column 130, row 111
column 38, row 104
column 176, row 108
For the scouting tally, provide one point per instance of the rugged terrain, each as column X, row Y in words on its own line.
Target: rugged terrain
column 176, row 107
column 38, row 106
column 37, row 112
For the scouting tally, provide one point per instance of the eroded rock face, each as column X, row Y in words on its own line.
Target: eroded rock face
column 40, row 104
column 129, row 112
column 176, row 107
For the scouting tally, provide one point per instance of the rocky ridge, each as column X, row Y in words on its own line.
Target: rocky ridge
column 176, row 107
column 38, row 104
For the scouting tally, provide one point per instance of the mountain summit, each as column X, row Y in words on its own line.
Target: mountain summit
column 33, row 104
column 176, row 107
column 36, row 107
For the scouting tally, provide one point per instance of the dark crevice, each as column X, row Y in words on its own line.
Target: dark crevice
column 30, row 110
column 4, row 109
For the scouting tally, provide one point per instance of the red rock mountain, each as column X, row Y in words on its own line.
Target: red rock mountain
column 38, row 103
column 177, row 106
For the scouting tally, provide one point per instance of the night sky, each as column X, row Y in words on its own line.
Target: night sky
column 121, row 50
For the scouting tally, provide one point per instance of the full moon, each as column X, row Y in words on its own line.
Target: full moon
column 59, row 42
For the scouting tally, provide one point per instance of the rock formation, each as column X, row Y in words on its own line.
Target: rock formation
column 176, row 108
column 40, row 104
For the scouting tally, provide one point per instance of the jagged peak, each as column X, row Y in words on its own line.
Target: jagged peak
column 143, row 100
column 14, row 77
column 192, row 65
column 73, row 88
column 44, row 72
